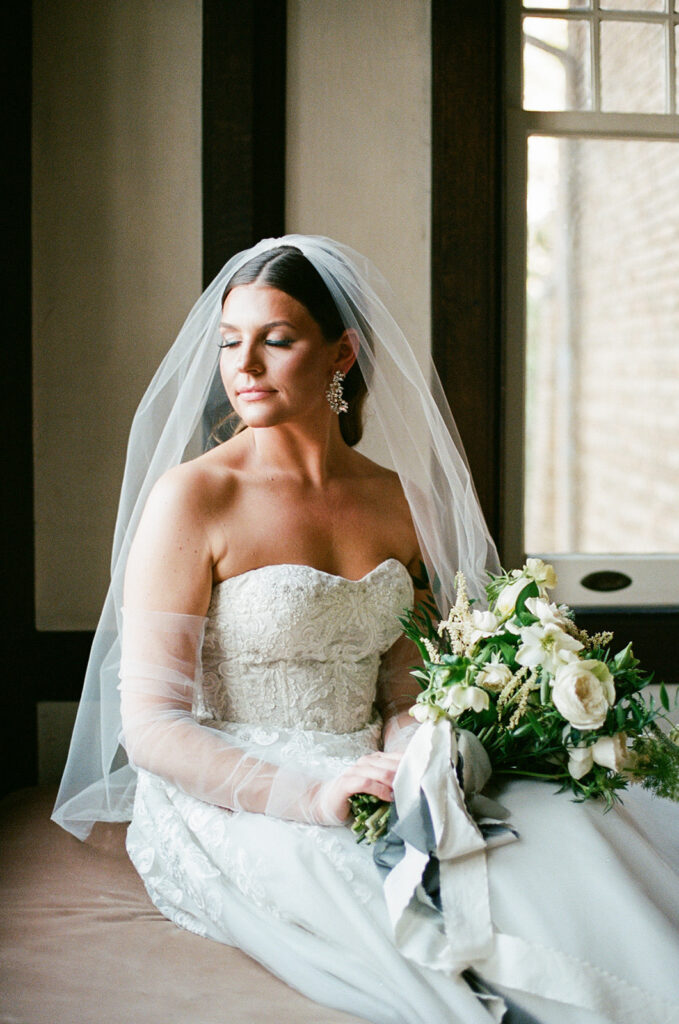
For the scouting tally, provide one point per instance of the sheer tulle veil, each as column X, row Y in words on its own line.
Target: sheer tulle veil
column 405, row 407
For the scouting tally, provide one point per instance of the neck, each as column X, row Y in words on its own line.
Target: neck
column 313, row 455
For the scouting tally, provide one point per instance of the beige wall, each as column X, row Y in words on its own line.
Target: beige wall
column 117, row 261
column 359, row 140
column 117, row 235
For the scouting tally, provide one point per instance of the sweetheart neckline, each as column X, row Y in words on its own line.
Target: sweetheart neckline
column 310, row 568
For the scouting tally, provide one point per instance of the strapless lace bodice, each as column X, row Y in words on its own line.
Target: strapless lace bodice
column 289, row 646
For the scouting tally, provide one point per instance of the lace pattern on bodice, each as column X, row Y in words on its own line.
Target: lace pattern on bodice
column 289, row 646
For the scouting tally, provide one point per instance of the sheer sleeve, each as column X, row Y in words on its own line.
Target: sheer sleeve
column 160, row 665
column 396, row 693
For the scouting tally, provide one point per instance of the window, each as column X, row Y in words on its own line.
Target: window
column 592, row 427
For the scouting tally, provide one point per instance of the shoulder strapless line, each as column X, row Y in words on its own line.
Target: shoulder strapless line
column 310, row 569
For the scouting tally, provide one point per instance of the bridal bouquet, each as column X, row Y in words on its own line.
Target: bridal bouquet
column 545, row 699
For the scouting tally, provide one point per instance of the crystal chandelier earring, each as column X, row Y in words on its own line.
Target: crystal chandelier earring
column 334, row 394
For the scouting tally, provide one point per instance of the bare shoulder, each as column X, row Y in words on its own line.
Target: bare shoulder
column 171, row 558
column 191, row 490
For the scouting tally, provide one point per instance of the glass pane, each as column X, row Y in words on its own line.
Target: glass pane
column 556, row 64
column 602, row 347
column 632, row 67
column 633, row 5
column 559, row 5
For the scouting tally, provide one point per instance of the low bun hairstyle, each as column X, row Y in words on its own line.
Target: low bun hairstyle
column 287, row 269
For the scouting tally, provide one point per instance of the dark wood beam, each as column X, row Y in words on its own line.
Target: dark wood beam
column 244, row 49
column 467, row 117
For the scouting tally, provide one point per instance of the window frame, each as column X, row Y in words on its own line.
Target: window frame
column 655, row 578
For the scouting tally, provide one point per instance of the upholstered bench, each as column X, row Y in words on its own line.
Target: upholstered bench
column 81, row 943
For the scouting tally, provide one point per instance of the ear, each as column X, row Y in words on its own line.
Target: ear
column 347, row 350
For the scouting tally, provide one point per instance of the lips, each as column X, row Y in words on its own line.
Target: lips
column 254, row 394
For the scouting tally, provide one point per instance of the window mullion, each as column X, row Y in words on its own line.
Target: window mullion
column 600, row 125
column 595, row 56
column 671, row 48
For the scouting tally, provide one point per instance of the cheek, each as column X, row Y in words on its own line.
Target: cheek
column 316, row 365
column 309, row 374
column 224, row 370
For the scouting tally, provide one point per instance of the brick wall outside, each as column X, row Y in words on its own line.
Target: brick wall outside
column 603, row 355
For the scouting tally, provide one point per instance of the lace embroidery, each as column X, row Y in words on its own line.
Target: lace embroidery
column 291, row 647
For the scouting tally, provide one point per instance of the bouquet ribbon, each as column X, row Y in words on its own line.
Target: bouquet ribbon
column 434, row 861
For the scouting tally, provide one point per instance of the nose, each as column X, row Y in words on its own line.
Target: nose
column 249, row 357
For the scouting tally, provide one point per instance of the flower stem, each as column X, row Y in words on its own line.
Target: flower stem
column 532, row 775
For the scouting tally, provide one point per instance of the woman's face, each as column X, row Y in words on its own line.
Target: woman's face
column 275, row 363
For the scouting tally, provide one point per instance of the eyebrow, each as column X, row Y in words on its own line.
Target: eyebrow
column 264, row 327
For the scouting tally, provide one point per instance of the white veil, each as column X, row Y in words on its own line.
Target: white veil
column 407, row 407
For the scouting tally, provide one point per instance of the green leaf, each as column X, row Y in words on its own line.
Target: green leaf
column 421, row 580
column 620, row 717
column 624, row 660
column 664, row 697
column 531, row 590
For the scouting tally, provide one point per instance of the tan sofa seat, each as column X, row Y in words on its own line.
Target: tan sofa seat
column 81, row 943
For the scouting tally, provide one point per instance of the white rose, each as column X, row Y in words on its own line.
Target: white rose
column 582, row 692
column 543, row 574
column 580, row 760
column 611, row 751
column 484, row 624
column 507, row 598
column 494, row 677
column 547, row 645
column 460, row 698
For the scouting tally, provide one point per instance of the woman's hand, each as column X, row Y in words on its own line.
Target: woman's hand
column 372, row 773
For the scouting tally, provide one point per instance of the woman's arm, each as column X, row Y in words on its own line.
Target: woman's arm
column 397, row 689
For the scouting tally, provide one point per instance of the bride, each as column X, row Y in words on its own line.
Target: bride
column 263, row 679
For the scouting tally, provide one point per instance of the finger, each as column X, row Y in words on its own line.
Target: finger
column 374, row 787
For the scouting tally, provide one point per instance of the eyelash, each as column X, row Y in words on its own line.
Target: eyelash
column 273, row 343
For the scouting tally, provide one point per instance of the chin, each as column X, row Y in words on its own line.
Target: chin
column 261, row 417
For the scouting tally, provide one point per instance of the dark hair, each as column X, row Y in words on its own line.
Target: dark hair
column 287, row 268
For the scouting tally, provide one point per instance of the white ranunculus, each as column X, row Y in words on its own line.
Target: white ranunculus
column 484, row 624
column 611, row 751
column 494, row 677
column 547, row 645
column 461, row 698
column 507, row 598
column 543, row 574
column 582, row 692
column 580, row 760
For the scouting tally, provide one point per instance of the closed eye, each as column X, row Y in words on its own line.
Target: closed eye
column 271, row 342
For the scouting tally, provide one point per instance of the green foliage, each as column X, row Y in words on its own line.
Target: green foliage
column 657, row 764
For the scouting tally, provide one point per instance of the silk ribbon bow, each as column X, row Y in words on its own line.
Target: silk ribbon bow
column 436, row 886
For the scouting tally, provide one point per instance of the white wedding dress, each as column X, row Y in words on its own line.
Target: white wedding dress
column 290, row 663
